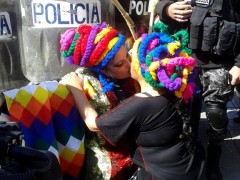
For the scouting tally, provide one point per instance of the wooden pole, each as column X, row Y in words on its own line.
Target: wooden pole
column 127, row 18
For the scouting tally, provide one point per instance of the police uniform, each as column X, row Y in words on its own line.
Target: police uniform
column 214, row 31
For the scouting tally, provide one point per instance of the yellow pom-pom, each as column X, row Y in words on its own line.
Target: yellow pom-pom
column 184, row 81
column 135, row 60
column 153, row 66
column 101, row 34
column 185, row 72
column 165, row 61
column 172, row 47
column 154, row 76
column 109, row 47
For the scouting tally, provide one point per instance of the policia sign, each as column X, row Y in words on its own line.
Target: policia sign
column 213, row 29
column 5, row 26
column 65, row 14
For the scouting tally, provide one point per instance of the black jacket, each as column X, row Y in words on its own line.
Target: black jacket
column 205, row 59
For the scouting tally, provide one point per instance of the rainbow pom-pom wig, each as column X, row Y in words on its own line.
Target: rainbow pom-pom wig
column 165, row 62
column 92, row 47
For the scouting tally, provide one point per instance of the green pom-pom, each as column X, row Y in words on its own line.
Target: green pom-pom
column 160, row 27
column 187, row 51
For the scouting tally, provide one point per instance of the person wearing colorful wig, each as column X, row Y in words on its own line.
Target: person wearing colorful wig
column 100, row 53
column 214, row 39
column 152, row 120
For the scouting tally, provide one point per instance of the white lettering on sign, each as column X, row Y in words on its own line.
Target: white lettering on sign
column 140, row 7
column 5, row 25
column 64, row 14
column 202, row 1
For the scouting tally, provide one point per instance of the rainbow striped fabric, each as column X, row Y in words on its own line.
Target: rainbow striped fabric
column 49, row 119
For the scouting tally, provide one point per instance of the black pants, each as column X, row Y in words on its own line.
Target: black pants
column 216, row 92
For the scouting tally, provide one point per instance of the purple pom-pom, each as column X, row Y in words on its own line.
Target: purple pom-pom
column 69, row 60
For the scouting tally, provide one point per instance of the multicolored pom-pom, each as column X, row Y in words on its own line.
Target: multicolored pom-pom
column 165, row 62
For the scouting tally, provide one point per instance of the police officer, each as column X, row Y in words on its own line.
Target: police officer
column 214, row 28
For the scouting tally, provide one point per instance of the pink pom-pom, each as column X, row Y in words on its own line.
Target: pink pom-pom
column 188, row 92
column 152, row 44
column 66, row 39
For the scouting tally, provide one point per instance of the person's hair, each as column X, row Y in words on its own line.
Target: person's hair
column 164, row 61
column 92, row 46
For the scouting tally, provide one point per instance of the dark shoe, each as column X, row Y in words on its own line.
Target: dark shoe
column 213, row 170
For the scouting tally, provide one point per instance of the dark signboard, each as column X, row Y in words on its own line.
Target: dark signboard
column 138, row 11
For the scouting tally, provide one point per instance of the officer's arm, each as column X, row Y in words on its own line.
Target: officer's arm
column 237, row 60
column 161, row 10
column 178, row 11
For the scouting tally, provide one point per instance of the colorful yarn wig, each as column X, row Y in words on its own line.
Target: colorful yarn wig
column 165, row 62
column 92, row 47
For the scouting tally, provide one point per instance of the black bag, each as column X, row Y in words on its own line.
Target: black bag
column 23, row 163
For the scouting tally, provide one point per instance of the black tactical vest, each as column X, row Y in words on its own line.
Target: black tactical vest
column 215, row 27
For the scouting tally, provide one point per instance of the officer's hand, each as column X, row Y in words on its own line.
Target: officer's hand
column 179, row 11
column 235, row 72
